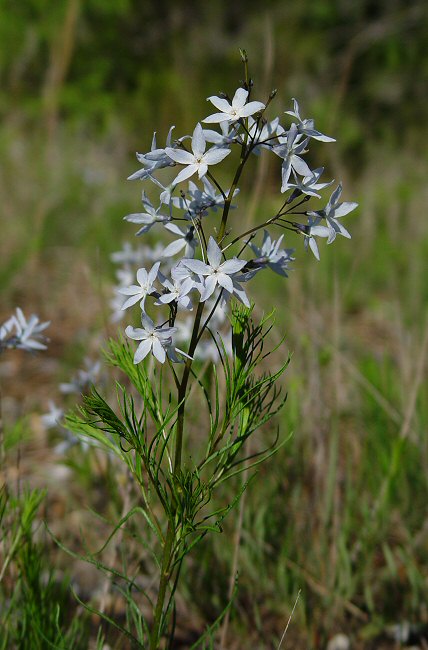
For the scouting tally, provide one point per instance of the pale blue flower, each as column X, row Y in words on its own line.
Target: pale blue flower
column 334, row 211
column 153, row 339
column 153, row 160
column 148, row 218
column 312, row 230
column 177, row 291
column 18, row 332
column 186, row 240
column 290, row 151
column 199, row 160
column 271, row 255
column 216, row 273
column 144, row 288
column 309, row 184
column 235, row 110
column 306, row 127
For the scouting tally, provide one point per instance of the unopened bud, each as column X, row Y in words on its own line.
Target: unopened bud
column 244, row 57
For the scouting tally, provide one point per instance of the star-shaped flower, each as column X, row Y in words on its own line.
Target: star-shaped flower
column 28, row 333
column 177, row 291
column 309, row 184
column 199, row 160
column 216, row 273
column 231, row 112
column 143, row 289
column 186, row 239
column 306, row 127
column 153, row 339
column 332, row 212
column 148, row 218
column 312, row 230
column 154, row 159
column 270, row 254
column 291, row 152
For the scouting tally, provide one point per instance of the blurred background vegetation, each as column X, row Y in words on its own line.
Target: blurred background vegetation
column 341, row 512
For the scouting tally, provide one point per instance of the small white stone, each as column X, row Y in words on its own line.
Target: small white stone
column 339, row 642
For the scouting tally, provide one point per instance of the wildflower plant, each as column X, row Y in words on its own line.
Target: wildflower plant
column 187, row 287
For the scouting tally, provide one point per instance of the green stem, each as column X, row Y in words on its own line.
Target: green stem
column 183, row 389
column 245, row 152
column 168, row 549
column 164, row 579
column 228, row 202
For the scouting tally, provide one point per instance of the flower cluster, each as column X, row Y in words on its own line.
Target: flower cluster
column 18, row 332
column 209, row 259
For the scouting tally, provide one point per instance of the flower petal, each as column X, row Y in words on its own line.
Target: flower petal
column 225, row 281
column 142, row 351
column 153, row 273
column 197, row 266
column 198, row 140
column 239, row 292
column 185, row 173
column 180, row 156
column 251, row 108
column 139, row 217
column 172, row 227
column 344, row 208
column 239, row 98
column 314, row 247
column 220, row 103
column 214, row 156
column 300, row 166
column 208, row 288
column 335, row 196
column 136, row 333
column 320, row 231
column 214, row 253
column 147, row 322
column 166, row 298
column 131, row 301
column 202, row 169
column 158, row 351
column 130, row 291
column 174, row 247
column 215, row 118
column 232, row 266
